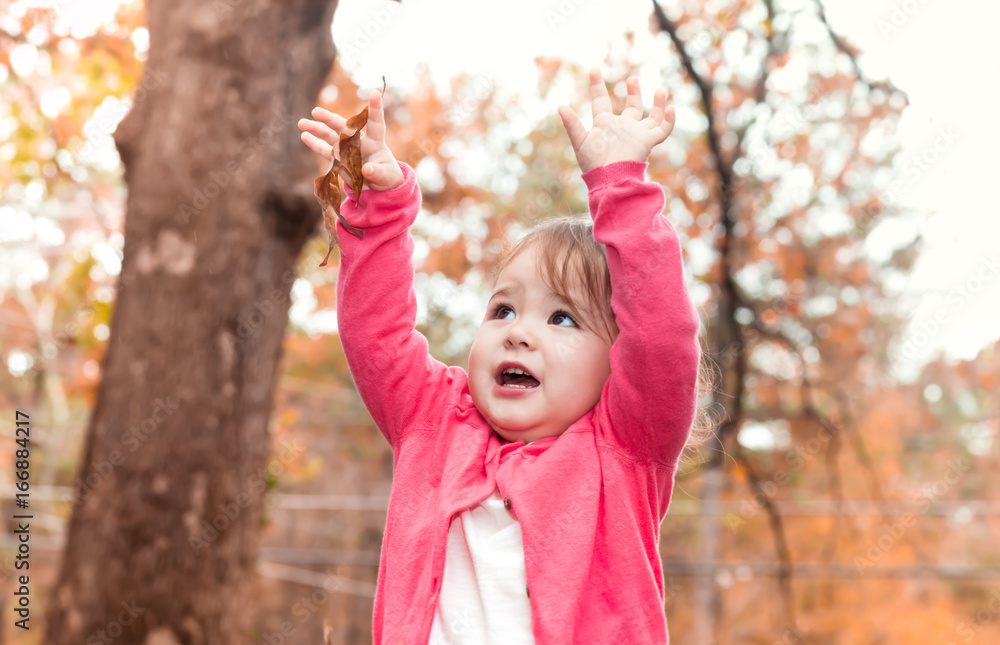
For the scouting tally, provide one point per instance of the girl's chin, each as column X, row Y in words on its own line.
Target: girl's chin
column 509, row 434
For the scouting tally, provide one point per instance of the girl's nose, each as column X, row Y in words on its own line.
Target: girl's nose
column 520, row 334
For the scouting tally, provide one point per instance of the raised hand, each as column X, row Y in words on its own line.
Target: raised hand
column 617, row 137
column 379, row 167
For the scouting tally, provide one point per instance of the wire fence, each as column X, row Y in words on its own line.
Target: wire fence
column 277, row 562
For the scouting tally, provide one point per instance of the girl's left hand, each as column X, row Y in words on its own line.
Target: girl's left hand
column 617, row 137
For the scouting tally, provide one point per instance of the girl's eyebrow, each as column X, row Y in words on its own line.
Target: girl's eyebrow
column 506, row 290
column 520, row 287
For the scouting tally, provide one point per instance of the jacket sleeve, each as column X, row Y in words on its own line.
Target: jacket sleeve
column 649, row 402
column 401, row 384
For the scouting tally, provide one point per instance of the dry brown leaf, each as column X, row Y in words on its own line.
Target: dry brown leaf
column 350, row 157
column 346, row 159
column 327, row 190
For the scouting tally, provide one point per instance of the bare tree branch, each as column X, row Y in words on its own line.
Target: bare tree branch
column 852, row 54
column 777, row 530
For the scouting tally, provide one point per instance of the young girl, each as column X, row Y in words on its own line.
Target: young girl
column 527, row 493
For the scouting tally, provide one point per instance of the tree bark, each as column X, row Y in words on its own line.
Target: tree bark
column 169, row 495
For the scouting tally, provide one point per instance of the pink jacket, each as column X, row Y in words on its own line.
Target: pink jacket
column 590, row 502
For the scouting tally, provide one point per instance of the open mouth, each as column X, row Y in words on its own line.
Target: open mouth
column 515, row 376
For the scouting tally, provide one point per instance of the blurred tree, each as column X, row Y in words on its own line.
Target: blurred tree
column 786, row 218
column 219, row 206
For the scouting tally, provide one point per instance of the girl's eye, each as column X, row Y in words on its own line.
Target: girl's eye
column 500, row 307
column 563, row 314
column 496, row 309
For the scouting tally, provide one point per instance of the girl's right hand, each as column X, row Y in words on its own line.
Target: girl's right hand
column 378, row 166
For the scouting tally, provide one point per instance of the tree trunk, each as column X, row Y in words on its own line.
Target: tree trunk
column 169, row 496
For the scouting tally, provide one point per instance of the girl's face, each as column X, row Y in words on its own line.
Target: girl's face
column 528, row 325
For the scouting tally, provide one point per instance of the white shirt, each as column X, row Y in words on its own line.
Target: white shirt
column 483, row 598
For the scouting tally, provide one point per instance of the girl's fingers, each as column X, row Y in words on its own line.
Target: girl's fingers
column 633, row 102
column 669, row 118
column 332, row 120
column 382, row 175
column 375, row 174
column 574, row 128
column 659, row 103
column 662, row 130
column 317, row 145
column 321, row 131
column 601, row 102
column 376, row 118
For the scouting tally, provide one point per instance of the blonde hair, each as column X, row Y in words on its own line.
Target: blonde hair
column 572, row 257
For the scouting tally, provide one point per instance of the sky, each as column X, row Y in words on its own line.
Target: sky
column 946, row 62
